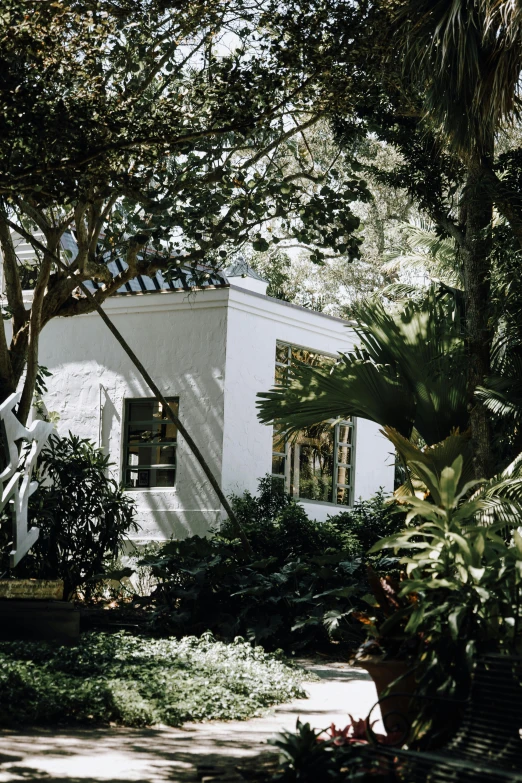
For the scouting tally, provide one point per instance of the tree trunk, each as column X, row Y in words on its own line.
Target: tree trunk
column 478, row 214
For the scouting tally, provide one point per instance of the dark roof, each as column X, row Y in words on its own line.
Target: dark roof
column 183, row 279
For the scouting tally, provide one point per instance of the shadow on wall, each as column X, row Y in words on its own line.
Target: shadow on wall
column 192, row 507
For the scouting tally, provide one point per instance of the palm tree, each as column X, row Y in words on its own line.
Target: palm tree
column 464, row 58
column 426, row 253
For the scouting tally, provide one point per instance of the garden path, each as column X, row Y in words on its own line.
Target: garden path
column 197, row 752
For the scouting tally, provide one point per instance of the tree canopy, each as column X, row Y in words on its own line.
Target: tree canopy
column 159, row 133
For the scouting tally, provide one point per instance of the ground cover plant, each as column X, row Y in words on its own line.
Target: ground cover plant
column 138, row 681
column 301, row 588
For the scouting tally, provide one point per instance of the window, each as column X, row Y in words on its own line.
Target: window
column 149, row 446
column 318, row 463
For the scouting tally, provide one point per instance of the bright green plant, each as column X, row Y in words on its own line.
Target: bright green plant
column 136, row 681
column 335, row 755
column 83, row 515
column 464, row 574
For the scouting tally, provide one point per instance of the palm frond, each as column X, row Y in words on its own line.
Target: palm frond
column 407, row 374
column 354, row 387
column 402, row 292
column 427, row 251
column 503, row 496
column 466, row 58
column 503, row 397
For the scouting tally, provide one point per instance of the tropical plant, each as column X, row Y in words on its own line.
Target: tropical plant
column 312, row 756
column 385, row 621
column 172, row 143
column 83, row 515
column 463, row 564
column 407, row 374
column 424, row 252
column 297, row 590
column 501, row 392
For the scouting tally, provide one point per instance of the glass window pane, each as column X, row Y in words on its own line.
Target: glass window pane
column 278, row 441
column 152, row 433
column 169, row 431
column 282, row 353
column 151, row 455
column 173, row 405
column 163, row 477
column 142, row 411
column 281, row 375
column 344, row 475
column 315, row 474
column 144, row 433
column 344, row 454
column 345, row 433
column 278, row 465
column 311, row 357
column 150, row 441
column 137, row 478
column 312, row 463
column 148, row 410
column 343, row 496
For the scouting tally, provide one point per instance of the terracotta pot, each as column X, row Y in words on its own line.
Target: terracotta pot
column 395, row 701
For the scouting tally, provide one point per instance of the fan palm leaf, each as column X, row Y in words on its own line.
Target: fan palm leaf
column 502, row 496
column 432, row 460
column 354, row 387
column 502, row 391
column 407, row 373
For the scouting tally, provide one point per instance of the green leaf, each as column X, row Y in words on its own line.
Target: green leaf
column 455, row 620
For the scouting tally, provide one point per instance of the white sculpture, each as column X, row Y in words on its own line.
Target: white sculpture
column 17, row 479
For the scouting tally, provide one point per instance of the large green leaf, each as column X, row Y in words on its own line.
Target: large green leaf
column 355, row 387
column 434, row 459
column 408, row 373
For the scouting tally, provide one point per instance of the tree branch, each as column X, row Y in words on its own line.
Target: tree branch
column 35, row 325
column 11, row 276
column 159, row 396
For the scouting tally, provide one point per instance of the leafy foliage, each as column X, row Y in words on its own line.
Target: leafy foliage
column 83, row 516
column 463, row 577
column 407, row 374
column 136, row 681
column 313, row 756
column 300, row 588
column 168, row 136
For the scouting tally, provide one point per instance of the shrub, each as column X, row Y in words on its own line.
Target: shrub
column 83, row 516
column 299, row 589
column 136, row 681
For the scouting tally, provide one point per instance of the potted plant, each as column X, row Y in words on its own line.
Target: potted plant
column 463, row 571
column 389, row 653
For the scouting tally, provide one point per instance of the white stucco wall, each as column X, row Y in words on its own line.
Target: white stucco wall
column 254, row 325
column 215, row 350
column 181, row 340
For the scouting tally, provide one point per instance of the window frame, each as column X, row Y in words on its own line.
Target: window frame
column 338, row 423
column 125, row 467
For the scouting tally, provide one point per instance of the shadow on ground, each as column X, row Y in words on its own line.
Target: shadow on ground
column 170, row 755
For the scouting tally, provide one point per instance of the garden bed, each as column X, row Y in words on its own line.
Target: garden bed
column 137, row 681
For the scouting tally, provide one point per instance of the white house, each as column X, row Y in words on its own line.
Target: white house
column 210, row 351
